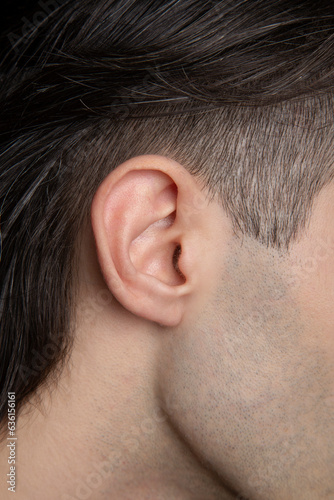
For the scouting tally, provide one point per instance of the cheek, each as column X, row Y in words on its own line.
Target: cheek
column 242, row 387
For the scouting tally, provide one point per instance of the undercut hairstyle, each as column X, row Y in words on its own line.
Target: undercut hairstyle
column 240, row 92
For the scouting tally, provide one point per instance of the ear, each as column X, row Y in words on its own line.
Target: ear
column 148, row 218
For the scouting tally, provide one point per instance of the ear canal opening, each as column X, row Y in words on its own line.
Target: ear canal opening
column 176, row 257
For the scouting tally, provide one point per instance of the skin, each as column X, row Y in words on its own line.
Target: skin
column 223, row 389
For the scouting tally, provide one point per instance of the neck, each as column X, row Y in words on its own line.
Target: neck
column 99, row 434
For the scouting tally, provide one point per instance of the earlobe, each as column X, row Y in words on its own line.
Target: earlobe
column 143, row 245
